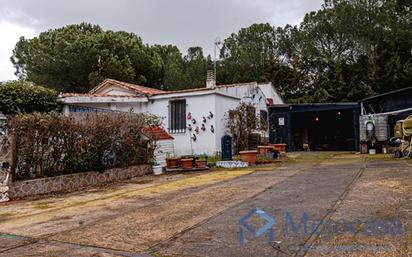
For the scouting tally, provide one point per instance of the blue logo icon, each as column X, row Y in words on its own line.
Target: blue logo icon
column 243, row 225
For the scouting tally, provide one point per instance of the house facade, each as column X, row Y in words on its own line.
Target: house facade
column 195, row 117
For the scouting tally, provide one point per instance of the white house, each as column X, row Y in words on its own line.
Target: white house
column 194, row 117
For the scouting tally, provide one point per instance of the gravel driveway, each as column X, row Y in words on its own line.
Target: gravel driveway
column 199, row 214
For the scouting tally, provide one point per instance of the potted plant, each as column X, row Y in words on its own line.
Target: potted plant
column 201, row 161
column 187, row 163
column 249, row 156
column 173, row 162
column 156, row 167
column 280, row 147
column 372, row 149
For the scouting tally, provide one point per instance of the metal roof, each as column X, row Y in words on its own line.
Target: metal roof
column 317, row 107
column 403, row 90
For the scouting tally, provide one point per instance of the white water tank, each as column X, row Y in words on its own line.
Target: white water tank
column 381, row 127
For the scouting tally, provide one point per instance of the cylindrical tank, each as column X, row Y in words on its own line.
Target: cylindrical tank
column 398, row 130
column 381, row 127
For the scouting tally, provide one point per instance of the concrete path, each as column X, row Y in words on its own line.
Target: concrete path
column 199, row 214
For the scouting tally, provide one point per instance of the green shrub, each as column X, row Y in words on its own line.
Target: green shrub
column 52, row 144
column 23, row 97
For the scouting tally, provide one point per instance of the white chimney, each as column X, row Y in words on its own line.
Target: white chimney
column 210, row 79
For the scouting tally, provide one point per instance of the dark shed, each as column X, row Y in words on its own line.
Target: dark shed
column 330, row 126
column 388, row 102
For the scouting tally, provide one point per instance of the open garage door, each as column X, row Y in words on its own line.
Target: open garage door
column 324, row 127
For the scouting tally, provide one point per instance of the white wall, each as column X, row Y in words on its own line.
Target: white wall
column 134, row 107
column 199, row 106
column 270, row 92
column 113, row 90
column 250, row 93
column 164, row 149
column 222, row 105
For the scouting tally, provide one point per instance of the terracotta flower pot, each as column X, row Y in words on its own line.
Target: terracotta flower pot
column 280, row 147
column 249, row 156
column 173, row 163
column 187, row 163
column 264, row 149
column 201, row 164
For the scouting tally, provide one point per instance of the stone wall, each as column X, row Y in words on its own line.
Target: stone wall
column 73, row 182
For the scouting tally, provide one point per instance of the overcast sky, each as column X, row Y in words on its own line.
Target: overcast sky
column 183, row 23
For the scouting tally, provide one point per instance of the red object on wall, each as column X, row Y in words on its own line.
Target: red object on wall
column 157, row 133
column 269, row 101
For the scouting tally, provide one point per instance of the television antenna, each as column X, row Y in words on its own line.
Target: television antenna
column 218, row 45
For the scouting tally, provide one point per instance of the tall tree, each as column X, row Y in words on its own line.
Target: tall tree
column 347, row 50
column 77, row 57
column 350, row 49
column 173, row 75
column 245, row 55
column 196, row 66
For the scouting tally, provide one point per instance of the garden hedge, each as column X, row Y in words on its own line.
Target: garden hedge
column 53, row 144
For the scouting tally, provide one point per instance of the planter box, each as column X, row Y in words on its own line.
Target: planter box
column 264, row 149
column 187, row 163
column 364, row 148
column 280, row 147
column 249, row 156
column 201, row 164
column 173, row 163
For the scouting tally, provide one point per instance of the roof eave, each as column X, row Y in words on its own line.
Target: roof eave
column 101, row 99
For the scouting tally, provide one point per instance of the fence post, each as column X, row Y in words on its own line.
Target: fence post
column 8, row 159
column 13, row 157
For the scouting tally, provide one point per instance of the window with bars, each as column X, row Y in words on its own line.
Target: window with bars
column 177, row 116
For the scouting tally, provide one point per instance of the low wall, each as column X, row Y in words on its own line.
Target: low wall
column 74, row 182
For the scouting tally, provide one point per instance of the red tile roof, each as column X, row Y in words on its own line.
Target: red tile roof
column 144, row 90
column 136, row 88
column 185, row 90
column 157, row 133
column 92, row 95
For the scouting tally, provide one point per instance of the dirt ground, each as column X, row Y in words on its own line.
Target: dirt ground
column 198, row 214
